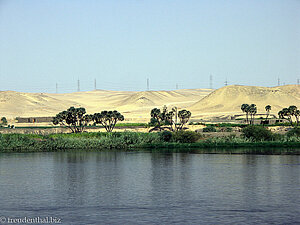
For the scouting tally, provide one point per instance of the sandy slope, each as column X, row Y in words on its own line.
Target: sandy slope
column 136, row 106
column 13, row 104
column 228, row 100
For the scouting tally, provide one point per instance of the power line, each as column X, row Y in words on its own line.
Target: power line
column 210, row 82
column 78, row 85
column 56, row 88
column 95, row 84
column 147, row 84
column 278, row 82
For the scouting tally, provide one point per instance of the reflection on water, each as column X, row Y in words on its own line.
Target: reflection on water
column 143, row 187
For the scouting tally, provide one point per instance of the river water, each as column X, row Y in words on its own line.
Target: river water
column 149, row 188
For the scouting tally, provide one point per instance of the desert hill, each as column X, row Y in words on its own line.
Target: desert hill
column 134, row 105
column 228, row 100
column 158, row 98
column 14, row 104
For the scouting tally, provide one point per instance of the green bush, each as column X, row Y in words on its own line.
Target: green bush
column 186, row 136
column 209, row 129
column 294, row 132
column 257, row 133
column 166, row 136
column 4, row 121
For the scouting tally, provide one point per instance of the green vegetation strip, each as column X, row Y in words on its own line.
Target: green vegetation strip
column 134, row 141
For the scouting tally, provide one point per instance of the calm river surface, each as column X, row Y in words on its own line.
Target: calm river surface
column 150, row 188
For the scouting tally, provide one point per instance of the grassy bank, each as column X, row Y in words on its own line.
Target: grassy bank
column 133, row 140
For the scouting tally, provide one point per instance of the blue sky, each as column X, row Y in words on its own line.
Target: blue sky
column 121, row 43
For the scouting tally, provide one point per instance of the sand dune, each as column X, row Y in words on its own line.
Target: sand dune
column 159, row 98
column 14, row 104
column 228, row 100
column 136, row 106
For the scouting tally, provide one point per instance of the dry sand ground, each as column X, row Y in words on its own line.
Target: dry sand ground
column 136, row 106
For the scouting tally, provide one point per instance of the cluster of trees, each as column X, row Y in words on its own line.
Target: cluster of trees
column 76, row 119
column 250, row 110
column 289, row 113
column 292, row 113
column 173, row 120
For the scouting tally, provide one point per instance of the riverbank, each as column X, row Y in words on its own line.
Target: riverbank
column 133, row 141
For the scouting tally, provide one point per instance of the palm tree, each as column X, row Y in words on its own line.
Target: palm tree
column 268, row 108
column 252, row 110
column 244, row 108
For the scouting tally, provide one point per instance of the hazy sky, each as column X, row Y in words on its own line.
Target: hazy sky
column 121, row 43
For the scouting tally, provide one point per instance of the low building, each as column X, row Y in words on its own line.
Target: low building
column 34, row 119
column 271, row 121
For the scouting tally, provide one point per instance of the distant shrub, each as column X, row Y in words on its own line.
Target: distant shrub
column 209, row 129
column 4, row 121
column 294, row 132
column 186, row 136
column 166, row 136
column 257, row 133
